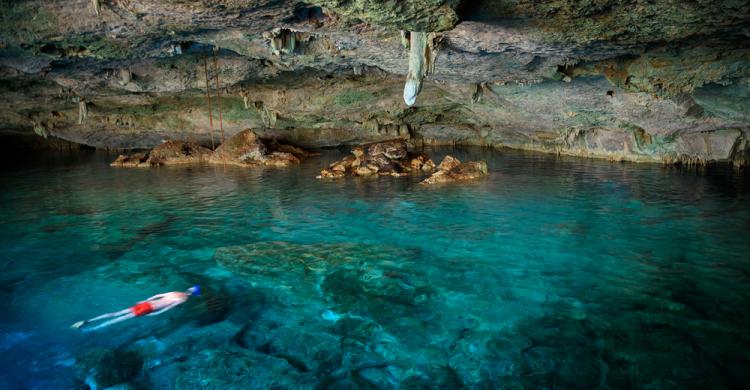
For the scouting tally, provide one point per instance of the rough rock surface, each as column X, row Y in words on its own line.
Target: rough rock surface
column 247, row 149
column 658, row 81
column 451, row 170
column 380, row 158
column 166, row 153
column 134, row 160
column 244, row 149
column 178, row 152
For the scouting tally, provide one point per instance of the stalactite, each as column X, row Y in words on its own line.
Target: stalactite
column 269, row 117
column 40, row 130
column 404, row 38
column 417, row 69
column 83, row 111
column 476, row 97
column 125, row 76
column 290, row 42
column 245, row 99
column 423, row 49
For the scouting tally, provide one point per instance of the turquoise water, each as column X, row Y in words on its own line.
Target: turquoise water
column 552, row 273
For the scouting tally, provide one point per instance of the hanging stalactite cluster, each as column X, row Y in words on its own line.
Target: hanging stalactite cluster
column 423, row 49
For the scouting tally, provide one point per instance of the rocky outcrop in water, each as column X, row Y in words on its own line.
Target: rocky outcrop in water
column 243, row 149
column 167, row 153
column 247, row 149
column 381, row 158
column 451, row 170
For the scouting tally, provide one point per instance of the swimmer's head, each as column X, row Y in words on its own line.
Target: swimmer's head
column 195, row 290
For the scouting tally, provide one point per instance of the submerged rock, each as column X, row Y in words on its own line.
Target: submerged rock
column 226, row 368
column 452, row 170
column 102, row 368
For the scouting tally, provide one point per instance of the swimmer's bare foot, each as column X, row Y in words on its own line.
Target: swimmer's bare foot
column 78, row 324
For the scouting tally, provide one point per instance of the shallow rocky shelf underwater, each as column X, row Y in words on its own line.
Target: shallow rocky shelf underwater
column 550, row 273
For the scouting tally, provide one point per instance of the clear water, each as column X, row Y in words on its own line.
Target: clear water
column 553, row 273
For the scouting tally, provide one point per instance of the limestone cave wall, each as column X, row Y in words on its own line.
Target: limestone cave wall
column 625, row 80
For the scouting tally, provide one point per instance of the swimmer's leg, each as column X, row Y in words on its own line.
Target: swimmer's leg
column 101, row 317
column 123, row 317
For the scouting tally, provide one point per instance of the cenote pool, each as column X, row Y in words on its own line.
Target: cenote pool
column 552, row 273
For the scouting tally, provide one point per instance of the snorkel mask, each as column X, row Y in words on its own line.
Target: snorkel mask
column 195, row 290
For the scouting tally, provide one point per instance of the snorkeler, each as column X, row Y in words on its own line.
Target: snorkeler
column 155, row 305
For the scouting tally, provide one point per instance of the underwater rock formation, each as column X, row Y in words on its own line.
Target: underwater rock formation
column 381, row 158
column 451, row 170
column 101, row 368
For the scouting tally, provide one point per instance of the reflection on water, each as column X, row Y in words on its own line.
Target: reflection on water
column 561, row 273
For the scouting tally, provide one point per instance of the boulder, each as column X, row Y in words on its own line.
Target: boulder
column 178, row 152
column 420, row 163
column 247, row 149
column 167, row 153
column 132, row 161
column 452, row 170
column 429, row 166
column 449, row 162
column 279, row 159
column 275, row 146
column 244, row 148
column 366, row 170
column 381, row 158
column 330, row 174
column 393, row 150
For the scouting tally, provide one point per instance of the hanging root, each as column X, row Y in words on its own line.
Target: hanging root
column 97, row 7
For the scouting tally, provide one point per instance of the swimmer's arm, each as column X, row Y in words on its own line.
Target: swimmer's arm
column 155, row 297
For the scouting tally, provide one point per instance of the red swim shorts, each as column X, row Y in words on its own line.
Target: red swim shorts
column 142, row 309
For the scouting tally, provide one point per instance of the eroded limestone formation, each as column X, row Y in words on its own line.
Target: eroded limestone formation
column 451, row 170
column 243, row 149
column 382, row 158
column 247, row 149
column 167, row 153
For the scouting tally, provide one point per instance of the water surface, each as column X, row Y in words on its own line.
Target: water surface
column 552, row 273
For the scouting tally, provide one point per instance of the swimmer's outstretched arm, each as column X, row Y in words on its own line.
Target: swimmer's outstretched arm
column 101, row 317
column 157, row 296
